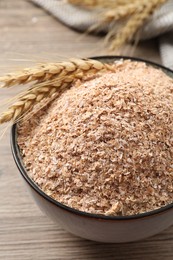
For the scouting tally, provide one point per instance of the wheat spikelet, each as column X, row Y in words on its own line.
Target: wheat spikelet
column 64, row 74
column 26, row 103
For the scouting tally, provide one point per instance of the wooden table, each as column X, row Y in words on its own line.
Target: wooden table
column 28, row 35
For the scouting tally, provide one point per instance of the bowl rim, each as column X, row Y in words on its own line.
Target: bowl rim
column 18, row 160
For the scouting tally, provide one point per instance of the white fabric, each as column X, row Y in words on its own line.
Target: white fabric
column 161, row 23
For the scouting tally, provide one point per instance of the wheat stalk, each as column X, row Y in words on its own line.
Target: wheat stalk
column 56, row 77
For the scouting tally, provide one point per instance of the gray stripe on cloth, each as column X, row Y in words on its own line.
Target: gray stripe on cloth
column 166, row 49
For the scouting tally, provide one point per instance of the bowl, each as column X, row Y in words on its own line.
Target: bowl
column 110, row 229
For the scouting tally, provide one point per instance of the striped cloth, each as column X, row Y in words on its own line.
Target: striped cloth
column 160, row 24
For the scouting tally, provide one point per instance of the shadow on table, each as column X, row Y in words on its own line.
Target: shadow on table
column 159, row 247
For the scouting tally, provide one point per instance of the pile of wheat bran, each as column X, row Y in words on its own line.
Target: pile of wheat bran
column 105, row 145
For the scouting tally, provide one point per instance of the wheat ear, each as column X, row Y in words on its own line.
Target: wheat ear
column 130, row 16
column 67, row 73
column 40, row 73
column 127, row 33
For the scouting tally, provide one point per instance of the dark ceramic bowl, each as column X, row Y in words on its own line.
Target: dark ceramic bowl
column 92, row 226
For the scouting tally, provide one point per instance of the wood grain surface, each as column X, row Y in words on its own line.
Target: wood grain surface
column 28, row 35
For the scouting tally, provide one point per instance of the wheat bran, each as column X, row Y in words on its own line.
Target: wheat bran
column 105, row 145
